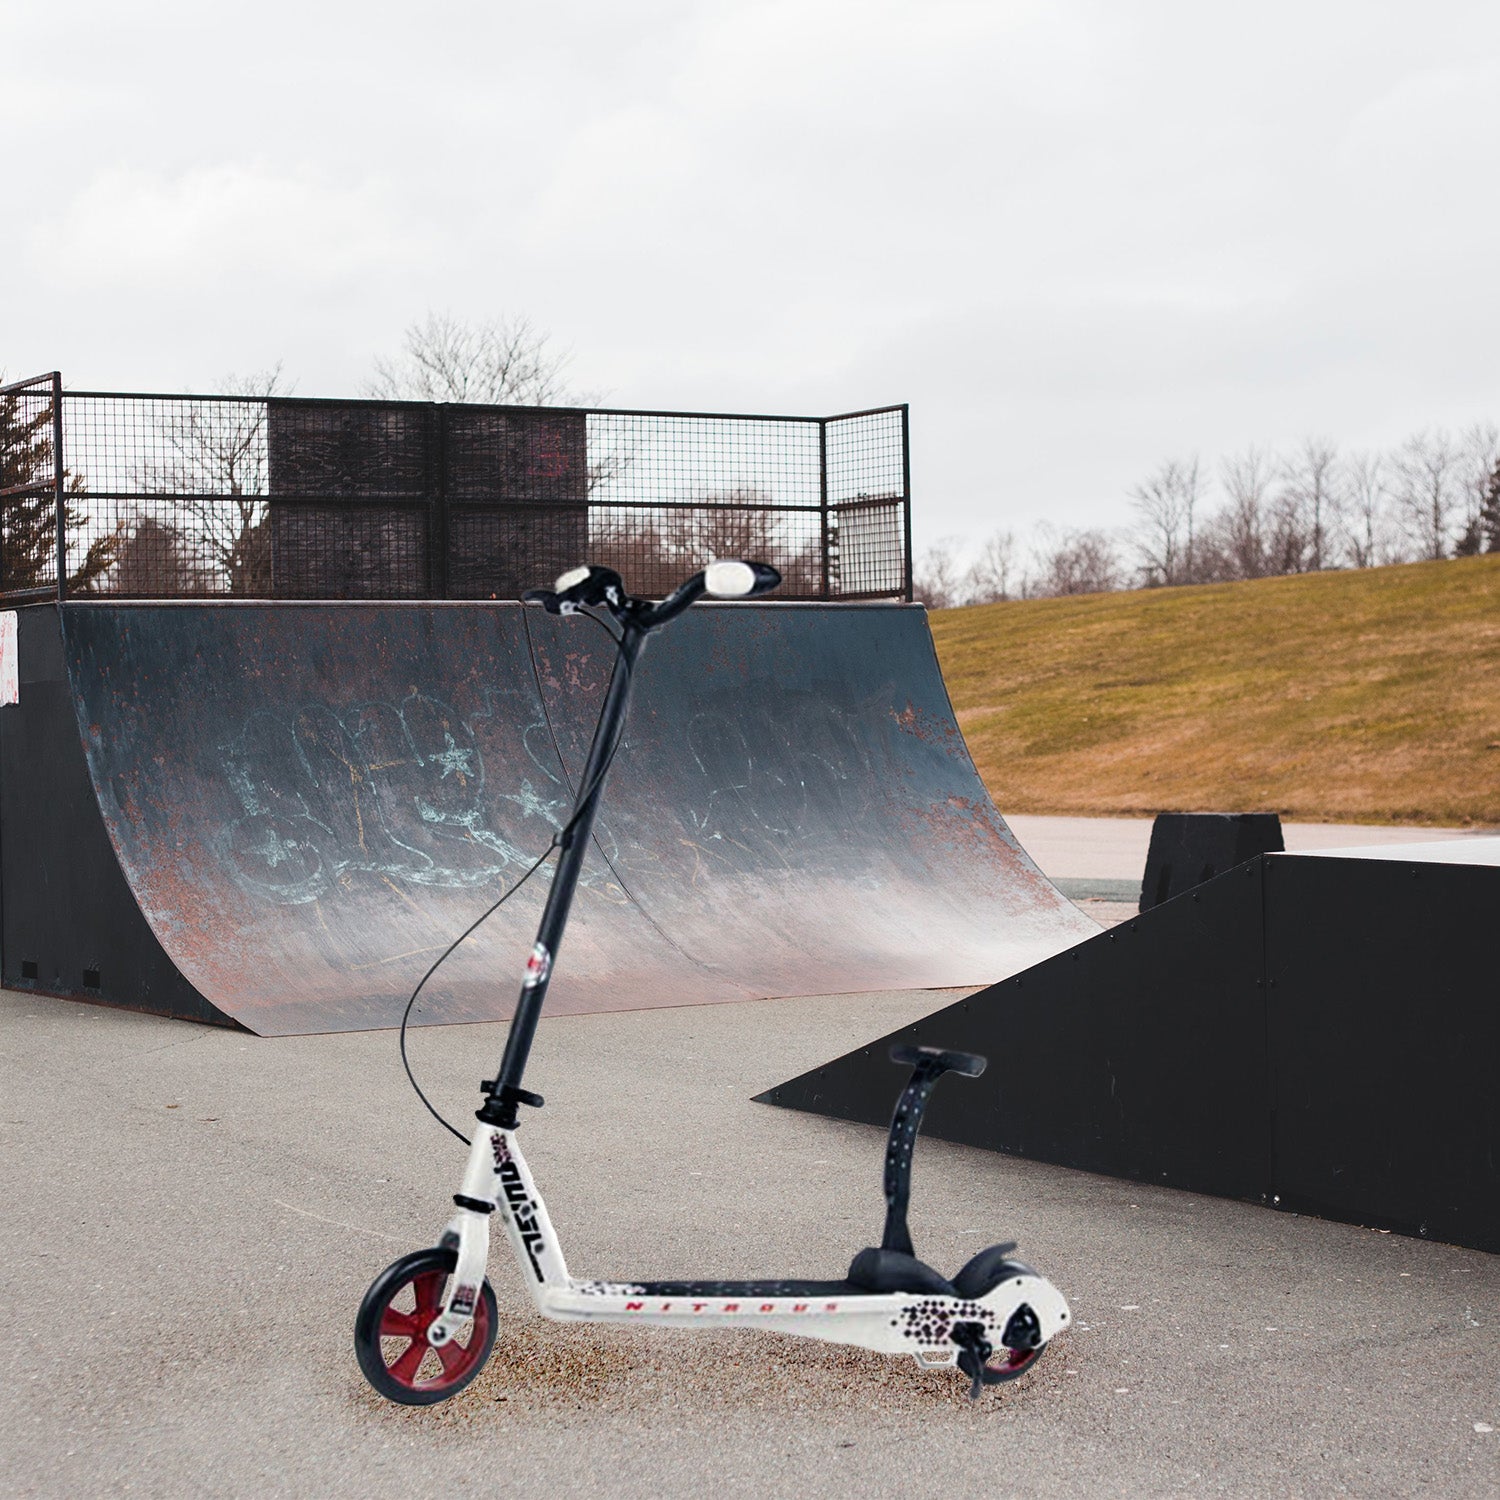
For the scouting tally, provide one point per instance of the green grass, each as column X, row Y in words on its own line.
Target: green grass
column 1369, row 697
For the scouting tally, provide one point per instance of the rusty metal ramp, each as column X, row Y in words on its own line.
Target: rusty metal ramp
column 308, row 802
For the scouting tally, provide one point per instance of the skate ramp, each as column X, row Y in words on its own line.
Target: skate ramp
column 306, row 803
column 1316, row 1032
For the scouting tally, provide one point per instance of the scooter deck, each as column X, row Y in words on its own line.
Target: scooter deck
column 765, row 1289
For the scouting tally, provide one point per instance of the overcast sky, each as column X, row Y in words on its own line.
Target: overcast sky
column 1077, row 237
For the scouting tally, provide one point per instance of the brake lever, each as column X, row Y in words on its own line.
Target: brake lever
column 545, row 597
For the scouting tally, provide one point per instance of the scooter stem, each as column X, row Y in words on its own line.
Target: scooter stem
column 927, row 1064
column 504, row 1091
column 905, row 1124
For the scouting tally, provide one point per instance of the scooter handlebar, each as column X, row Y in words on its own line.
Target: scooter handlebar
column 578, row 587
column 732, row 579
column 728, row 578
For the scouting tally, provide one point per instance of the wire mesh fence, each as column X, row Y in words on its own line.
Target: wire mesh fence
column 291, row 498
column 33, row 504
column 868, row 480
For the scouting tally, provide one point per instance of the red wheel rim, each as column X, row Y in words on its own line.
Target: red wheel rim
column 409, row 1358
column 1013, row 1363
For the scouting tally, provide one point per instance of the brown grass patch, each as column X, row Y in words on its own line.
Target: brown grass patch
column 1368, row 697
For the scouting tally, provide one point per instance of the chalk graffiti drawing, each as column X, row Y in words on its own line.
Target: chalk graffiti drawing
column 398, row 790
column 815, row 769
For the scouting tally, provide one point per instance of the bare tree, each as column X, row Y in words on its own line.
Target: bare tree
column 652, row 551
column 938, row 582
column 1166, row 534
column 1074, row 562
column 1365, row 525
column 499, row 362
column 1236, row 540
column 994, row 573
column 1286, row 537
column 1426, row 489
column 1311, row 497
column 215, row 468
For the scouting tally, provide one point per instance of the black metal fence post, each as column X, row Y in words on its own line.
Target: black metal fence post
column 437, row 527
column 827, row 591
column 59, row 487
column 906, row 492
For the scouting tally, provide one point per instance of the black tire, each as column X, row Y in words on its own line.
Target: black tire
column 415, row 1373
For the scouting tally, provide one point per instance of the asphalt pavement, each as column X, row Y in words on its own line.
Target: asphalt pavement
column 191, row 1217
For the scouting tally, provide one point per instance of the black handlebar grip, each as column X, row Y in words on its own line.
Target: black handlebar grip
column 968, row 1064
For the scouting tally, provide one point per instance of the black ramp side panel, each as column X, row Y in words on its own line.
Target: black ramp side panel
column 69, row 913
column 1189, row 848
column 1319, row 1032
column 794, row 803
column 1385, row 1043
column 1139, row 1053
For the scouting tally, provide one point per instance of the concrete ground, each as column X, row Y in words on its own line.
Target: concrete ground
column 1099, row 862
column 191, row 1216
column 1115, row 848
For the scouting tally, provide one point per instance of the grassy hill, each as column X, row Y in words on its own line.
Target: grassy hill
column 1367, row 696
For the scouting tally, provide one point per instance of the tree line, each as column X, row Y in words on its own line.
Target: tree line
column 1255, row 514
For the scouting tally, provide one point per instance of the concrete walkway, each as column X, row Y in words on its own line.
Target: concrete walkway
column 1115, row 848
column 191, row 1217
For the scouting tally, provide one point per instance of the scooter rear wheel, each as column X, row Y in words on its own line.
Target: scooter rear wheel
column 1006, row 1364
column 390, row 1332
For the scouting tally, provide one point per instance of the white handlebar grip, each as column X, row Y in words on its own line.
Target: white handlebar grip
column 728, row 579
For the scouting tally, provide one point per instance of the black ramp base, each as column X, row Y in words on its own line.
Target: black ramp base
column 49, row 881
column 1189, row 848
column 1320, row 1034
column 1385, row 1025
column 1139, row 1053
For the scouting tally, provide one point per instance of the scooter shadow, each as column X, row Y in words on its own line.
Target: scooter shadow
column 539, row 1366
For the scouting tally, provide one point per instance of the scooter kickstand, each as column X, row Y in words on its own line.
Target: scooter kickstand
column 974, row 1354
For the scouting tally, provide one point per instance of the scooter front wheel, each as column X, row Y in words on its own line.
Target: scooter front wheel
column 390, row 1333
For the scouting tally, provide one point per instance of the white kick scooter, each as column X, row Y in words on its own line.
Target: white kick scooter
column 428, row 1322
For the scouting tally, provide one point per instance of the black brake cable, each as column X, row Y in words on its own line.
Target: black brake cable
column 621, row 663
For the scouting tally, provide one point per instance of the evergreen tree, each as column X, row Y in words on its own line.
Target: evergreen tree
column 1489, row 513
column 153, row 561
column 28, row 509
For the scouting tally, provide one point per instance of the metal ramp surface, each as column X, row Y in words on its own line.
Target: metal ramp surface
column 304, row 803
